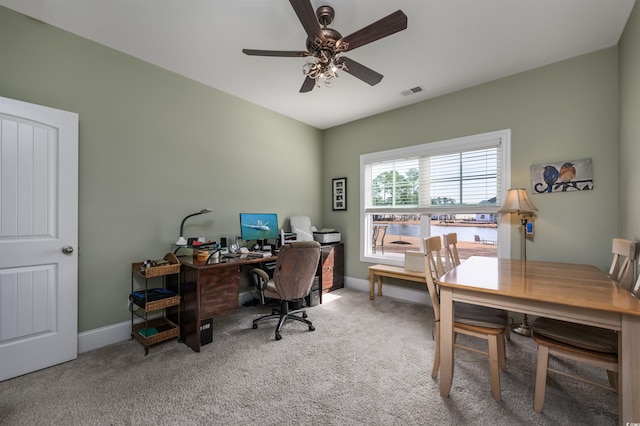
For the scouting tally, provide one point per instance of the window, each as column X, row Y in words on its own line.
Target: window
column 407, row 192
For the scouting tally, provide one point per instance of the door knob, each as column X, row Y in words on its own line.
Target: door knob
column 67, row 249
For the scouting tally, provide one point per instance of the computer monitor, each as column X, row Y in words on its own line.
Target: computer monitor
column 258, row 226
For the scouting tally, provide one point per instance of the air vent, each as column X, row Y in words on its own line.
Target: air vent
column 411, row 91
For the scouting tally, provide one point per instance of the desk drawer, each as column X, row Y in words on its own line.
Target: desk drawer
column 219, row 289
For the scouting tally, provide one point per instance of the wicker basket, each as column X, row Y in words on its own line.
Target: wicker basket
column 161, row 303
column 173, row 267
column 174, row 331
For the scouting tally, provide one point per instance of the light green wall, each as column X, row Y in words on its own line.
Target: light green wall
column 563, row 111
column 154, row 147
column 629, row 47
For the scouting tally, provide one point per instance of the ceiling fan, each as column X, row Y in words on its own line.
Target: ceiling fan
column 326, row 45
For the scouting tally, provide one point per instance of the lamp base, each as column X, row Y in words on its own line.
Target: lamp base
column 522, row 329
column 181, row 242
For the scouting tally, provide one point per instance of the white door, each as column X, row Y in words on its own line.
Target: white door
column 38, row 237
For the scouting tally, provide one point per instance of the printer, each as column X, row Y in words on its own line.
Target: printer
column 326, row 236
column 301, row 226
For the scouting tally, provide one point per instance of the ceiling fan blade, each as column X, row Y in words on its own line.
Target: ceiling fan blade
column 307, row 17
column 282, row 53
column 358, row 70
column 307, row 85
column 386, row 26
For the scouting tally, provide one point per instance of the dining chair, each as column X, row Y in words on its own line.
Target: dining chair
column 472, row 320
column 451, row 257
column 583, row 343
column 622, row 264
column 379, row 232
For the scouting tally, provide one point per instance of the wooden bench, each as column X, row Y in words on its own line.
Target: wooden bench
column 391, row 272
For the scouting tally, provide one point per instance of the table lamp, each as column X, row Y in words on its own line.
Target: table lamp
column 181, row 241
column 518, row 202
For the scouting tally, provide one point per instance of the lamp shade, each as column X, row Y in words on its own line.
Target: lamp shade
column 518, row 202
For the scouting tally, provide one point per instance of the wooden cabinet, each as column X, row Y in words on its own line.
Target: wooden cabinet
column 331, row 267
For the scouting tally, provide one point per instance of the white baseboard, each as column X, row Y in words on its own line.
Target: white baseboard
column 103, row 336
column 110, row 334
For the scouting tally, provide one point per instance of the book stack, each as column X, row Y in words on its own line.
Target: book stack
column 259, row 254
column 141, row 297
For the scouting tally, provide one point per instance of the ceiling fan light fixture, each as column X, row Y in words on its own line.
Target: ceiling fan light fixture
column 325, row 45
column 323, row 70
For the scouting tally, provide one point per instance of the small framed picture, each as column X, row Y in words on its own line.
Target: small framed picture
column 531, row 229
column 339, row 193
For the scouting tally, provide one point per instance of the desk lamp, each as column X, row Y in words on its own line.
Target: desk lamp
column 518, row 202
column 181, row 241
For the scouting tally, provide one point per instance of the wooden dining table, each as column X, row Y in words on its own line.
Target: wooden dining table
column 571, row 292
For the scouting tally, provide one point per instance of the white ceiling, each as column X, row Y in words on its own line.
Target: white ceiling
column 448, row 45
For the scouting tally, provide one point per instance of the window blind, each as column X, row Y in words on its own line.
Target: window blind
column 433, row 178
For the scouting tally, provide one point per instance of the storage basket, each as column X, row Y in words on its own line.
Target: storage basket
column 161, row 303
column 173, row 331
column 173, row 267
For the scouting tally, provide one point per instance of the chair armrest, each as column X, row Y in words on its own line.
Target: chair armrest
column 263, row 275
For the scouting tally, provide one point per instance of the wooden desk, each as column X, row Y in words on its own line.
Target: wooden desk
column 576, row 293
column 209, row 290
column 391, row 272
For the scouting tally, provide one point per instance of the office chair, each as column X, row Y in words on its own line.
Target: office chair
column 293, row 276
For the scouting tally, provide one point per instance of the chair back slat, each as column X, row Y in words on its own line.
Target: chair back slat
column 433, row 270
column 622, row 265
column 636, row 288
column 451, row 257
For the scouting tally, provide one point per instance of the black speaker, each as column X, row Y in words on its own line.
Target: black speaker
column 206, row 331
column 223, row 242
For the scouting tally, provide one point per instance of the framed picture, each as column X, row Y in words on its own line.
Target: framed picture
column 339, row 194
column 562, row 176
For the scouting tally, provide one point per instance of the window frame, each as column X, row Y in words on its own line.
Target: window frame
column 466, row 143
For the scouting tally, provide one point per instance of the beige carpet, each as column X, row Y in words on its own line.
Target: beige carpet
column 367, row 363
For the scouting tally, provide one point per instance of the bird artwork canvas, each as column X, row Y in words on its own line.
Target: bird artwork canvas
column 562, row 176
